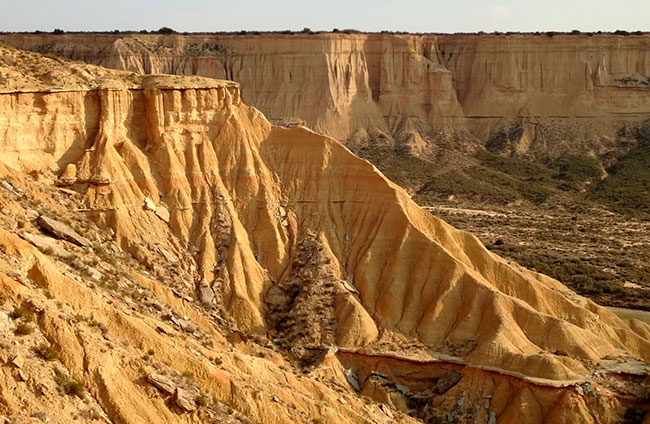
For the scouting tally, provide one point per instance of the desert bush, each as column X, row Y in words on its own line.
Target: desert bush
column 626, row 187
column 23, row 329
column 21, row 312
column 69, row 385
column 47, row 352
column 577, row 169
column 202, row 400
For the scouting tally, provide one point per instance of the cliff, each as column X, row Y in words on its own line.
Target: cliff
column 285, row 234
column 528, row 94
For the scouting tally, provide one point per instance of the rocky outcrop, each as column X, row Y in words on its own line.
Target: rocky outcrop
column 46, row 244
column 525, row 94
column 163, row 383
column 62, row 231
column 287, row 221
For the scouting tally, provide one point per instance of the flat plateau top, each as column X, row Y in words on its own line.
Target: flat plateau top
column 22, row 71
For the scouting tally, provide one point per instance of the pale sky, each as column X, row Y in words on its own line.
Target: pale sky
column 365, row 15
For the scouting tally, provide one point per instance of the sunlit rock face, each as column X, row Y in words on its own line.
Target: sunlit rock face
column 292, row 237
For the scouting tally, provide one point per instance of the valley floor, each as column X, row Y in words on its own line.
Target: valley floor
column 631, row 313
column 600, row 254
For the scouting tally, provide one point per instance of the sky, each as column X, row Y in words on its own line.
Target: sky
column 364, row 15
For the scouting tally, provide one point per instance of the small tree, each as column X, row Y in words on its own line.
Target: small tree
column 58, row 31
column 166, row 30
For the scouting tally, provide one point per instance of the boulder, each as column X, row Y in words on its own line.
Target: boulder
column 184, row 400
column 7, row 186
column 45, row 243
column 492, row 418
column 276, row 297
column 163, row 213
column 352, row 379
column 68, row 191
column 184, row 324
column 62, row 231
column 448, row 381
column 149, row 204
column 206, row 295
column 18, row 361
column 166, row 385
column 169, row 256
column 402, row 389
column 69, row 174
column 349, row 287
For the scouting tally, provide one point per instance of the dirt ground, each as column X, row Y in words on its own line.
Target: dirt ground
column 602, row 255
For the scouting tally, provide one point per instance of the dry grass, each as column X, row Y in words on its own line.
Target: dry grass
column 69, row 385
column 47, row 352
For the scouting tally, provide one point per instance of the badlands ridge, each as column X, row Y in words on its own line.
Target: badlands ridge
column 224, row 268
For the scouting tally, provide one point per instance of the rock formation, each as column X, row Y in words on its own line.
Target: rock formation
column 250, row 239
column 525, row 94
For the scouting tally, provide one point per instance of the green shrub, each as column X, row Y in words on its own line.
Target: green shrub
column 69, row 385
column 166, row 30
column 47, row 352
column 627, row 186
column 73, row 387
column 202, row 400
column 21, row 312
column 577, row 169
column 23, row 329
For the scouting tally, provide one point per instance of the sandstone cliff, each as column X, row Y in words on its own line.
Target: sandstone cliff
column 285, row 234
column 528, row 94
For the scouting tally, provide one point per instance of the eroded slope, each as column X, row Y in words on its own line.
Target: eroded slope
column 283, row 233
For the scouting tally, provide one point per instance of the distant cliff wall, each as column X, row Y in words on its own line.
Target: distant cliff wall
column 529, row 94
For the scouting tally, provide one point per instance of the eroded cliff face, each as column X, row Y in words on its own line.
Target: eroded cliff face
column 523, row 94
column 285, row 234
column 568, row 92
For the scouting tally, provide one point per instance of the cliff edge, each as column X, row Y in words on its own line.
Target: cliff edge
column 526, row 94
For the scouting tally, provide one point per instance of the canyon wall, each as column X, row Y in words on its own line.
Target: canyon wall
column 296, row 239
column 526, row 94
